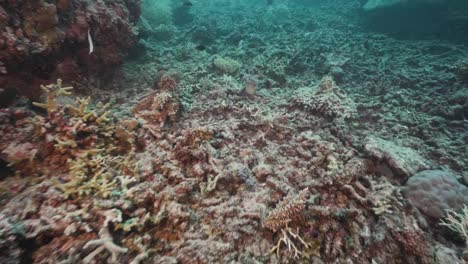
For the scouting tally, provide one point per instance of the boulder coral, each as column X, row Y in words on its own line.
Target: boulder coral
column 435, row 191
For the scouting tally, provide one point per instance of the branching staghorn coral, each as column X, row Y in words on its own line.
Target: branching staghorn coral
column 85, row 142
column 105, row 241
column 98, row 172
column 287, row 238
column 53, row 91
column 458, row 222
column 66, row 130
column 74, row 127
column 290, row 212
column 81, row 110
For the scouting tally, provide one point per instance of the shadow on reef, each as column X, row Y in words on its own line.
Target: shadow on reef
column 421, row 22
column 5, row 171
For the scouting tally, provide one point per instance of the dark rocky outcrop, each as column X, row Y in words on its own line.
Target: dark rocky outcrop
column 43, row 40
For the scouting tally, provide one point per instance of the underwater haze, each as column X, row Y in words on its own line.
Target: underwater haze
column 224, row 131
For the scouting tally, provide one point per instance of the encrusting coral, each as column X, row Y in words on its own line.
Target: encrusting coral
column 97, row 171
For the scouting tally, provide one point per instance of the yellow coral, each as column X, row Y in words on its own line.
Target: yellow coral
column 53, row 91
column 100, row 114
column 96, row 172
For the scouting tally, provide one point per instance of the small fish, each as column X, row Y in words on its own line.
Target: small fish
column 187, row 4
column 269, row 2
column 90, row 42
column 200, row 47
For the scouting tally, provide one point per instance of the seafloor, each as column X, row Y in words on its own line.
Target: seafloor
column 248, row 135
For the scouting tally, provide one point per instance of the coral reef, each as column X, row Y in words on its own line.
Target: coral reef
column 105, row 238
column 329, row 144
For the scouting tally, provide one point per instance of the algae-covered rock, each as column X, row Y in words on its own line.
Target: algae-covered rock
column 402, row 160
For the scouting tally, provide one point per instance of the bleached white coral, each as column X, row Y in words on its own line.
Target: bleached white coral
column 458, row 222
column 105, row 240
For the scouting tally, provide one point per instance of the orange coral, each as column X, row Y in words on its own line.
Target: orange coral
column 289, row 212
column 157, row 108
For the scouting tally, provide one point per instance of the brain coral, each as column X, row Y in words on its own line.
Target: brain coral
column 435, row 191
